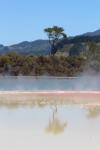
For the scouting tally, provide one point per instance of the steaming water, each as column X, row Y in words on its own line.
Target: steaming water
column 52, row 125
column 44, row 83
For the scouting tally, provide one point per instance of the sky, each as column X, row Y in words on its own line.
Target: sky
column 24, row 20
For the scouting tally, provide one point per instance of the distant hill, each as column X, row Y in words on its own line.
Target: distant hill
column 38, row 47
column 95, row 33
column 42, row 47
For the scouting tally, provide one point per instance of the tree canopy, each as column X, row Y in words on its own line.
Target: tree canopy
column 54, row 34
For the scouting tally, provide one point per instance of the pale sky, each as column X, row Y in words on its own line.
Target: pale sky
column 24, row 20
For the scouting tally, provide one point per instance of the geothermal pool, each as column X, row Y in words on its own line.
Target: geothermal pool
column 49, row 114
column 50, row 124
column 10, row 83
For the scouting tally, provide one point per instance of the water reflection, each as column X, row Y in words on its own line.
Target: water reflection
column 93, row 111
column 55, row 125
column 27, row 124
column 92, row 106
column 16, row 100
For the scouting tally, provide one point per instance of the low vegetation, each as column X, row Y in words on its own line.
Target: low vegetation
column 57, row 65
column 14, row 64
column 67, row 57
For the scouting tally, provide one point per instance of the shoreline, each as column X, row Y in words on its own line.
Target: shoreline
column 42, row 98
column 49, row 92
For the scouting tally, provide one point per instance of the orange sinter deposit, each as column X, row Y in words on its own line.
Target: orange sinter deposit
column 58, row 95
